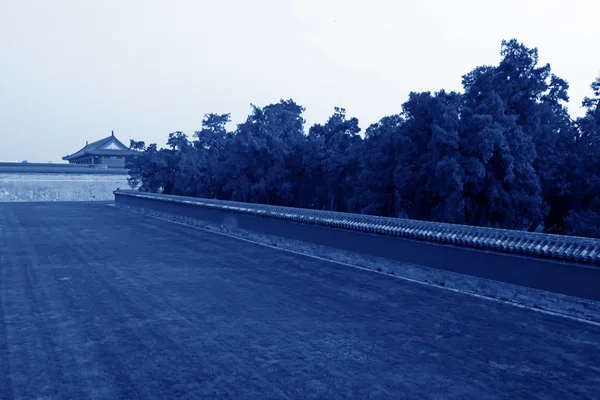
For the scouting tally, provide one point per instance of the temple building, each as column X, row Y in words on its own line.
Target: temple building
column 108, row 151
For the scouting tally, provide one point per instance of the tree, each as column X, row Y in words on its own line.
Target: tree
column 335, row 162
column 213, row 134
column 429, row 175
column 263, row 156
column 210, row 144
column 537, row 99
column 157, row 171
column 584, row 218
column 178, row 179
column 147, row 170
column 137, row 145
column 375, row 192
column 501, row 188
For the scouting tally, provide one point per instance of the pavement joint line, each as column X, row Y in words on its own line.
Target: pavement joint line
column 479, row 296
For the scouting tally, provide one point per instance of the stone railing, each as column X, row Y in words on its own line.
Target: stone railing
column 557, row 247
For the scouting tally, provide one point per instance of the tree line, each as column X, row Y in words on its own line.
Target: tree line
column 503, row 153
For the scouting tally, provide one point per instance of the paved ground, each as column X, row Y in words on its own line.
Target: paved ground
column 99, row 303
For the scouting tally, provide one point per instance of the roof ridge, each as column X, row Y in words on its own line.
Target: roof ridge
column 97, row 142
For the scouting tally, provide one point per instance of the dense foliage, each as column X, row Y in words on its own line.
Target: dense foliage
column 503, row 153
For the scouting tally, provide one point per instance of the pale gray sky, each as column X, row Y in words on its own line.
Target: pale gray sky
column 72, row 71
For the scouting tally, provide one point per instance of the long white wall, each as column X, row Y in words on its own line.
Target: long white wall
column 59, row 187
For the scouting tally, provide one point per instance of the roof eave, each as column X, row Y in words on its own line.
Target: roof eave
column 106, row 153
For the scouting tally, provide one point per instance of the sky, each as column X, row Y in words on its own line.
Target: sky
column 73, row 70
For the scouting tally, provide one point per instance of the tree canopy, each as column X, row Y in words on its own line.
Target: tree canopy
column 504, row 153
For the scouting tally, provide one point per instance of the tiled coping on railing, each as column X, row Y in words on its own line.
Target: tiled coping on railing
column 566, row 248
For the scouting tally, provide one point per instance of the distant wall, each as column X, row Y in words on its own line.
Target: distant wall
column 61, row 168
column 28, row 186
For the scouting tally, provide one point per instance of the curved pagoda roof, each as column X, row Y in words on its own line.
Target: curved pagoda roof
column 109, row 147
